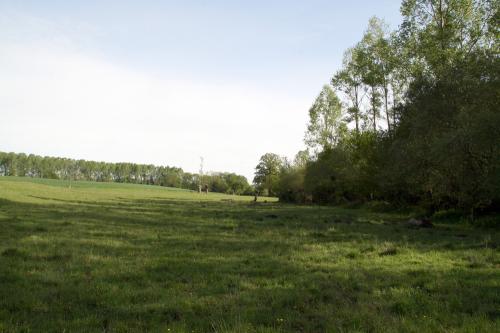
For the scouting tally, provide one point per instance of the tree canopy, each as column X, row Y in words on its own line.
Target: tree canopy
column 417, row 118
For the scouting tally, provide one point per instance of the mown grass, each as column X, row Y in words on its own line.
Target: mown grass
column 126, row 258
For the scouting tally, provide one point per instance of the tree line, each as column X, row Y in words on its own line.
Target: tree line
column 411, row 118
column 12, row 164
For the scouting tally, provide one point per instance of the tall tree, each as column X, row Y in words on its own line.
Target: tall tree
column 349, row 80
column 267, row 173
column 301, row 158
column 325, row 127
column 375, row 66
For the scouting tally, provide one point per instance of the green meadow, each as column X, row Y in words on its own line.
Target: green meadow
column 101, row 257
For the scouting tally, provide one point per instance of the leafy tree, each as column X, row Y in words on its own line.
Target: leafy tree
column 439, row 32
column 236, row 184
column 267, row 173
column 448, row 137
column 373, row 69
column 349, row 80
column 302, row 158
column 442, row 147
column 291, row 185
column 325, row 126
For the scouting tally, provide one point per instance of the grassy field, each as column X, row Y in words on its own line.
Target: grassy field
column 130, row 258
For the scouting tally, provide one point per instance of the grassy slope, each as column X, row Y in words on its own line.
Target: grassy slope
column 129, row 258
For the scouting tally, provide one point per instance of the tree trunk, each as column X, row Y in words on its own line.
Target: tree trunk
column 356, row 105
column 374, row 110
column 387, row 108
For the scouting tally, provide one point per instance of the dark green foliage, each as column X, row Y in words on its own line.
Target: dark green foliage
column 448, row 139
column 291, row 185
column 346, row 172
column 440, row 148
column 230, row 183
column 267, row 174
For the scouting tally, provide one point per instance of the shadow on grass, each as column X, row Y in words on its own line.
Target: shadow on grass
column 145, row 265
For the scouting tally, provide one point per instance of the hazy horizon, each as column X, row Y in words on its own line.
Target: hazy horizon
column 167, row 83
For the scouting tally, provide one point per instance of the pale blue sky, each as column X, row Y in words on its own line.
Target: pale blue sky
column 271, row 57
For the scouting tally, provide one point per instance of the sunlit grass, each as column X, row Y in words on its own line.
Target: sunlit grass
column 131, row 258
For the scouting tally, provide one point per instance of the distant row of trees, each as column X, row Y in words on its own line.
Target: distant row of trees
column 12, row 164
column 412, row 117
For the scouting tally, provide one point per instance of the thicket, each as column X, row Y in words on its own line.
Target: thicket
column 411, row 118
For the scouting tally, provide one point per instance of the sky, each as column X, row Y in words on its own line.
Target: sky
column 165, row 82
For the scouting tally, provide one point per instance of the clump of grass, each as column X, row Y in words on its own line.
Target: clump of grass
column 488, row 221
column 57, row 257
column 318, row 234
column 447, row 216
column 476, row 262
column 399, row 308
column 14, row 253
column 368, row 249
column 379, row 206
column 449, row 245
column 388, row 249
column 352, row 255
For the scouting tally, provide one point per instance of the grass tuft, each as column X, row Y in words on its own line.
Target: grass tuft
column 388, row 250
